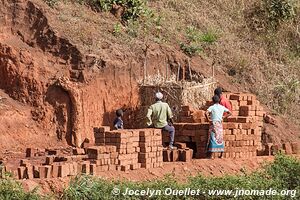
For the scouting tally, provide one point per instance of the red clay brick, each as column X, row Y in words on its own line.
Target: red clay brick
column 260, row 113
column 229, row 137
column 295, row 147
column 24, row 162
column 45, row 171
column 112, row 167
column 180, row 145
column 174, row 155
column 288, row 148
column 86, row 168
column 125, row 168
column 29, row 171
column 64, row 170
column 104, row 128
column 147, row 165
column 235, row 97
column 186, row 155
column 103, row 168
column 30, row 152
column 167, row 155
column 185, row 108
column 36, row 173
column 268, row 149
column 49, row 160
column 93, row 169
column 78, row 151
column 22, row 173
column 55, row 171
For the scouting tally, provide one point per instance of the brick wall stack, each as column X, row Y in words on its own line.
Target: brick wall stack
column 190, row 115
column 52, row 164
column 151, row 150
column 246, row 105
column 101, row 158
column 127, row 145
column 174, row 155
column 242, row 131
column 242, row 140
column 196, row 133
column 243, row 105
column 137, row 148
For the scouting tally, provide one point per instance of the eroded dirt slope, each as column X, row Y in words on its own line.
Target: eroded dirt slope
column 18, row 129
column 68, row 88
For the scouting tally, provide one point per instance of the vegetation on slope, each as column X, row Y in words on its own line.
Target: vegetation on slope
column 257, row 43
column 11, row 189
column 282, row 174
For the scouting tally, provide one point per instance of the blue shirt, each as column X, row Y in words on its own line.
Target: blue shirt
column 118, row 123
column 217, row 112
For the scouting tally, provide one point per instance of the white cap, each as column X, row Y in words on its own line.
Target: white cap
column 159, row 95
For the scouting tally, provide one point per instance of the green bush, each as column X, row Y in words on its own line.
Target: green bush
column 133, row 9
column 271, row 13
column 51, row 3
column 209, row 37
column 86, row 187
column 285, row 171
column 196, row 41
column 280, row 10
column 11, row 189
column 117, row 29
column 191, row 49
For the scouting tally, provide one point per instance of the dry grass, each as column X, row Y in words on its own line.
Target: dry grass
column 263, row 62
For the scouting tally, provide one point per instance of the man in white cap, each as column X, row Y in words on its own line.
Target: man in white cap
column 158, row 116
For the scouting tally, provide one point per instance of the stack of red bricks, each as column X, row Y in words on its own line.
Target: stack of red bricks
column 52, row 165
column 114, row 150
column 179, row 153
column 195, row 134
column 189, row 115
column 242, row 142
column 136, row 148
column 101, row 158
column 288, row 148
column 242, row 131
column 151, row 149
column 28, row 171
column 243, row 105
column 246, row 105
column 127, row 145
